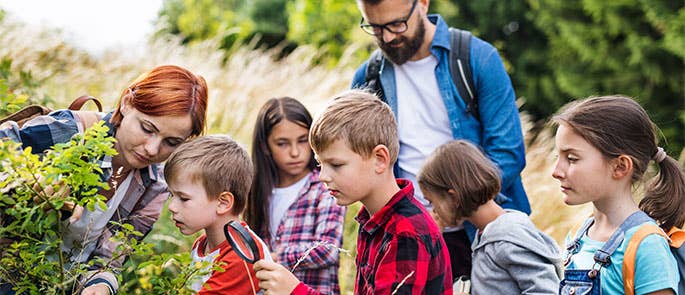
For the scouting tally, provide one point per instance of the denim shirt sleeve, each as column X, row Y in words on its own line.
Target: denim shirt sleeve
column 359, row 76
column 501, row 136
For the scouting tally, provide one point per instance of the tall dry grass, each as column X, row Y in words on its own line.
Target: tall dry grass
column 238, row 88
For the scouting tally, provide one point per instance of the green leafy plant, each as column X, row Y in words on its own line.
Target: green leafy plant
column 168, row 274
column 33, row 222
column 32, row 215
column 18, row 88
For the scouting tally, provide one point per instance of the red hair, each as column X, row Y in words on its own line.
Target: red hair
column 167, row 91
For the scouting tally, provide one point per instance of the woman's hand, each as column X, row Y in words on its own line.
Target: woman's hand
column 274, row 278
column 97, row 289
column 47, row 192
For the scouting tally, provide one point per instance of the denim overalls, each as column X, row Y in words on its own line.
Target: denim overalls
column 587, row 281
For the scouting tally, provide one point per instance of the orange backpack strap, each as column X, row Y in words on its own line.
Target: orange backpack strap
column 677, row 236
column 631, row 253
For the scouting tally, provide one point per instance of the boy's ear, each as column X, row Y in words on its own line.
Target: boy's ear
column 381, row 155
column 225, row 205
column 622, row 166
column 452, row 194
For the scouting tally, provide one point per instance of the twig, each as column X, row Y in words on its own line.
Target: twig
column 314, row 246
column 402, row 282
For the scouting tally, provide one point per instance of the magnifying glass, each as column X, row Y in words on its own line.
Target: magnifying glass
column 242, row 242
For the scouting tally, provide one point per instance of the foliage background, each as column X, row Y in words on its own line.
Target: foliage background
column 554, row 50
column 250, row 51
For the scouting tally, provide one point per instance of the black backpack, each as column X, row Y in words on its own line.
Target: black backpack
column 460, row 69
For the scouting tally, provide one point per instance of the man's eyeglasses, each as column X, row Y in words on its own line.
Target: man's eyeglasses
column 396, row 27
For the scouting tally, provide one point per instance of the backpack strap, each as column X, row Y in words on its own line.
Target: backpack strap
column 374, row 68
column 459, row 65
column 78, row 103
column 87, row 118
column 26, row 113
column 631, row 252
column 460, row 68
column 677, row 236
column 31, row 111
column 603, row 255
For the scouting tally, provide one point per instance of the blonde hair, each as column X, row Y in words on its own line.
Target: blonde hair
column 361, row 120
column 461, row 166
column 219, row 162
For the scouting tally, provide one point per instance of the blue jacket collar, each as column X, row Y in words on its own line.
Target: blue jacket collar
column 441, row 39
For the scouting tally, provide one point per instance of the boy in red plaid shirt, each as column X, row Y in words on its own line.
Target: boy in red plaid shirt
column 400, row 249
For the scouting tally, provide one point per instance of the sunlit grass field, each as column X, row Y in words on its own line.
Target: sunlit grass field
column 237, row 90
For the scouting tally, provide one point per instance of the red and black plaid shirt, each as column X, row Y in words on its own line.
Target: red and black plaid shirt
column 399, row 245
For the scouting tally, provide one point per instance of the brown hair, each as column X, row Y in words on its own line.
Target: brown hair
column 461, row 166
column 167, row 91
column 272, row 112
column 617, row 125
column 220, row 163
column 361, row 120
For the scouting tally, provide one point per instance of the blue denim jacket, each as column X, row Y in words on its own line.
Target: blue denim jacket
column 499, row 130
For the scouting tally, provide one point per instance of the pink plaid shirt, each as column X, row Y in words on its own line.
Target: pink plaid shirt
column 314, row 221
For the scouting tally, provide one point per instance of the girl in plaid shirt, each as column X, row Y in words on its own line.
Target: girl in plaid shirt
column 289, row 207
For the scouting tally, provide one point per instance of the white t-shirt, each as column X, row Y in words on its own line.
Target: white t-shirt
column 87, row 230
column 423, row 123
column 280, row 200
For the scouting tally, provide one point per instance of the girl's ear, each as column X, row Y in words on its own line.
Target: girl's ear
column 454, row 197
column 225, row 204
column 622, row 166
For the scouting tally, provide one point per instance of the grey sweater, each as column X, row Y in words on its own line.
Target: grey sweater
column 513, row 257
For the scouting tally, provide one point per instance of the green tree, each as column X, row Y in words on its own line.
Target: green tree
column 556, row 51
column 198, row 20
column 631, row 47
column 508, row 26
column 327, row 24
column 234, row 21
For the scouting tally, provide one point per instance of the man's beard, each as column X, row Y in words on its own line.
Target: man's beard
column 400, row 55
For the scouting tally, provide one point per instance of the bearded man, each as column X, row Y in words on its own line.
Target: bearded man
column 416, row 81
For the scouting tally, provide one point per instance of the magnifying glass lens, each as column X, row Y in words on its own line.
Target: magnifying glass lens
column 242, row 242
column 241, row 246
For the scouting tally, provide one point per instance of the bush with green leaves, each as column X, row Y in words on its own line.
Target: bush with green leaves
column 33, row 222
column 32, row 217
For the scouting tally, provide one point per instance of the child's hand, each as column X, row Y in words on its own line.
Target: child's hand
column 97, row 289
column 275, row 278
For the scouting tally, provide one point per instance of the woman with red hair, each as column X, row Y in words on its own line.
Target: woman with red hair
column 155, row 114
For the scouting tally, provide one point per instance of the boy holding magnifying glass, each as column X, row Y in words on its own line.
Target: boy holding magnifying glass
column 399, row 248
column 209, row 179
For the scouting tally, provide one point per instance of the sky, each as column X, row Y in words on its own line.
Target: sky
column 94, row 25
